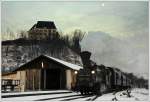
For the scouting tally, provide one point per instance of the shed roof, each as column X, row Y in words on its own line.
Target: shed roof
column 64, row 63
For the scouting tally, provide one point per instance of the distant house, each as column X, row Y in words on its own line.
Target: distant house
column 43, row 30
column 44, row 73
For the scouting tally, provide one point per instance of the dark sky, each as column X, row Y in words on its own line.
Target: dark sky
column 119, row 19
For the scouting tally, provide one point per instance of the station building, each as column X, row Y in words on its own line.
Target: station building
column 44, row 73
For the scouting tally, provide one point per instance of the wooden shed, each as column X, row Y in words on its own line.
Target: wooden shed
column 46, row 73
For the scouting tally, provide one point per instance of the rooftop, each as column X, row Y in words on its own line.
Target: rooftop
column 44, row 24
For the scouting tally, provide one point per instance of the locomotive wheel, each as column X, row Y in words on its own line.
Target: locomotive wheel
column 97, row 92
column 86, row 92
column 97, row 89
column 81, row 92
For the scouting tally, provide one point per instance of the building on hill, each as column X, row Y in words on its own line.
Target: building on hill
column 20, row 51
column 43, row 30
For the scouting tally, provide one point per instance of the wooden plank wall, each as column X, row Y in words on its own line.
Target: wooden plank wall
column 10, row 76
column 33, row 79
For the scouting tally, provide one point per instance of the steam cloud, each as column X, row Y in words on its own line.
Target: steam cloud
column 129, row 54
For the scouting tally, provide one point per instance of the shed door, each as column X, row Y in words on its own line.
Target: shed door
column 51, row 79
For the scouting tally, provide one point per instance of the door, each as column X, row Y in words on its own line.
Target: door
column 53, row 79
column 50, row 79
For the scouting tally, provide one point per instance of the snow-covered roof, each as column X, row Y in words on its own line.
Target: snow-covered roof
column 70, row 65
column 64, row 63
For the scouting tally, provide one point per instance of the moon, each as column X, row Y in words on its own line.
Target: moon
column 103, row 4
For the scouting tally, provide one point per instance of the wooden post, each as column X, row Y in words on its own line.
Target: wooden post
column 33, row 80
column 39, row 79
column 60, row 79
column 44, row 79
column 68, row 79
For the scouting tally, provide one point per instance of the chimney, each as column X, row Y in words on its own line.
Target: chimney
column 85, row 57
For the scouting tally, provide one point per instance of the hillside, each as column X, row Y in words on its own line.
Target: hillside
column 16, row 53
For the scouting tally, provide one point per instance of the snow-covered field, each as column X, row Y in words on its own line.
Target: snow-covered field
column 66, row 95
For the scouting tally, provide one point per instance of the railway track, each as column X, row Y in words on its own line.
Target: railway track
column 58, row 96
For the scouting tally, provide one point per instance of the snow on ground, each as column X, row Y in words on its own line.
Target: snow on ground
column 122, row 96
column 34, row 92
column 58, row 95
column 85, row 98
column 36, row 97
column 140, row 94
column 105, row 97
column 136, row 95
column 74, row 98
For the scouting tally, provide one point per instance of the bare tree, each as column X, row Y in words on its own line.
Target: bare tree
column 10, row 34
column 76, row 39
column 23, row 34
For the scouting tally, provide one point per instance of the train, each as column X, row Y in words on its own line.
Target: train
column 99, row 79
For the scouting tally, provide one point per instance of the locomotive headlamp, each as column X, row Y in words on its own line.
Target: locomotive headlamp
column 75, row 72
column 93, row 72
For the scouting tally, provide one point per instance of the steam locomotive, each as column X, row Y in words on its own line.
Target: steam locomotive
column 99, row 79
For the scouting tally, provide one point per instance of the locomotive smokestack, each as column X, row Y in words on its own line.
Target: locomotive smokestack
column 85, row 56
